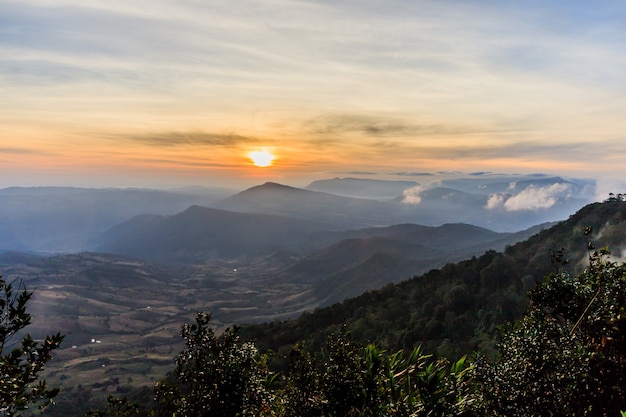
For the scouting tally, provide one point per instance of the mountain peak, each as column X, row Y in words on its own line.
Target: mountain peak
column 272, row 186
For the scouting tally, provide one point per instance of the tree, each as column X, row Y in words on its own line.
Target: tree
column 117, row 407
column 567, row 355
column 217, row 375
column 22, row 361
column 370, row 382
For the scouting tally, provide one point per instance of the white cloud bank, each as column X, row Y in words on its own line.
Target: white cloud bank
column 531, row 198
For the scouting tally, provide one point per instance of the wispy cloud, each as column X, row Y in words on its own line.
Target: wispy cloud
column 183, row 162
column 412, row 174
column 337, row 124
column 22, row 151
column 354, row 173
column 167, row 139
column 375, row 126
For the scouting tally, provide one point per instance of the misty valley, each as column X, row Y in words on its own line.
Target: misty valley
column 118, row 271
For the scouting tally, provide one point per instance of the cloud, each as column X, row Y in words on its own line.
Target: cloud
column 496, row 200
column 371, row 125
column 412, row 195
column 191, row 138
column 22, row 151
column 412, row 174
column 354, row 173
column 531, row 198
column 378, row 126
column 183, row 162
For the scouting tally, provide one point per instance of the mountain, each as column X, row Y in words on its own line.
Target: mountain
column 63, row 219
column 334, row 265
column 440, row 205
column 362, row 188
column 367, row 259
column 542, row 200
column 201, row 233
column 455, row 309
column 338, row 211
column 497, row 211
column 490, row 184
column 134, row 307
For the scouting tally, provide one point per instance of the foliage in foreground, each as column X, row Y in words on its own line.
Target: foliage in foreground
column 567, row 355
column 223, row 376
column 21, row 361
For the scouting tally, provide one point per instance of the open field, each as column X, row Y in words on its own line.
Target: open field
column 122, row 318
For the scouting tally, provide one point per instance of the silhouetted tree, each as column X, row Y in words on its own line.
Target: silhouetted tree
column 21, row 361
column 218, row 375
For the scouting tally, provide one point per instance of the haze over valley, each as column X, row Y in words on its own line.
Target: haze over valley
column 119, row 270
column 406, row 169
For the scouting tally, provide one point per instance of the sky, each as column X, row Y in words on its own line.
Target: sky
column 164, row 93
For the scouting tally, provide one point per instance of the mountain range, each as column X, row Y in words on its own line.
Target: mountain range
column 62, row 220
column 456, row 309
column 268, row 254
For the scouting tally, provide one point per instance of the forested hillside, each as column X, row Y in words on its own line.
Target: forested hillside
column 455, row 309
column 564, row 356
column 451, row 312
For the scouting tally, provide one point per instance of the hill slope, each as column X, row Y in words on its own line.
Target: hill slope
column 455, row 309
column 367, row 259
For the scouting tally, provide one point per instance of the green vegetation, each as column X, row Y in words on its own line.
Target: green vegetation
column 216, row 376
column 225, row 376
column 565, row 357
column 559, row 351
column 21, row 362
column 456, row 309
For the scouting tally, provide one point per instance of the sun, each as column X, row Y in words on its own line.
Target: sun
column 261, row 158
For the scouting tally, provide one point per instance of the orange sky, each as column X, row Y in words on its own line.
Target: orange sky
column 171, row 93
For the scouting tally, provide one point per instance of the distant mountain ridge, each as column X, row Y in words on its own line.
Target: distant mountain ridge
column 64, row 219
column 540, row 200
column 337, row 211
column 362, row 188
column 335, row 264
column 200, row 233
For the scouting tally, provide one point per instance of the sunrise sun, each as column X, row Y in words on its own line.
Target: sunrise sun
column 261, row 158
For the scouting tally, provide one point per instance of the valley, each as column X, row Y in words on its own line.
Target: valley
column 122, row 316
column 264, row 255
